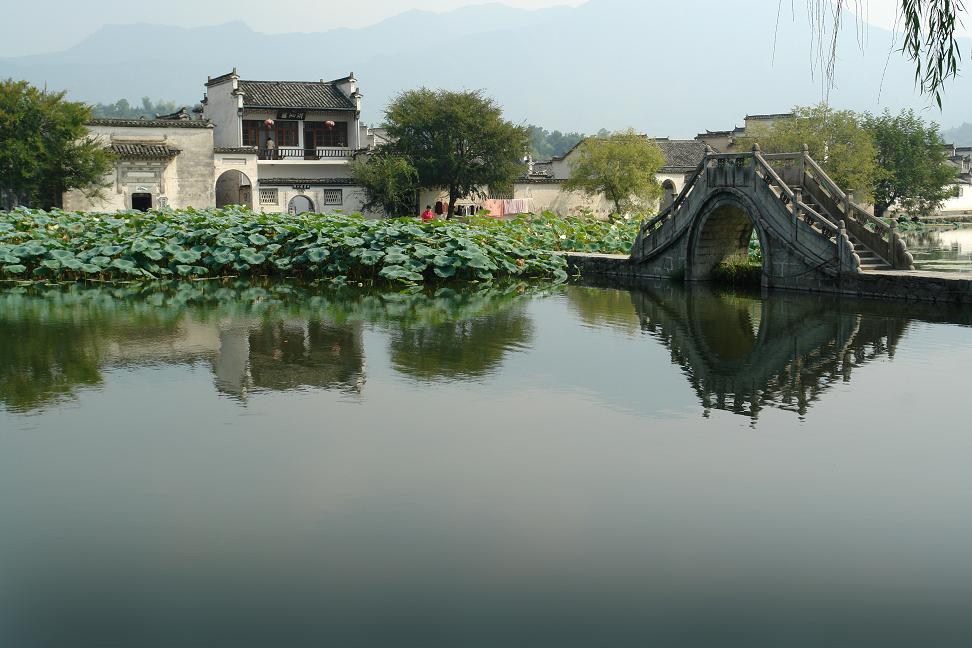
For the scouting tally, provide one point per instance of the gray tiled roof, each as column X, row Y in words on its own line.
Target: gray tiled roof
column 145, row 151
column 145, row 123
column 311, row 95
column 681, row 155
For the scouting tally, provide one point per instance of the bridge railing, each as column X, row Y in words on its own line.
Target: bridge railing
column 880, row 237
column 786, row 172
column 792, row 195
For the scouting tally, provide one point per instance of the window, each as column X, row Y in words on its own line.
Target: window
column 317, row 134
column 268, row 196
column 251, row 132
column 333, row 197
column 286, row 132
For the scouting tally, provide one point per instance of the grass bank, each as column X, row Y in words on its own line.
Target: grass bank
column 68, row 246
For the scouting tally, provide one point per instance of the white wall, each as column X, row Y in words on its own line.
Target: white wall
column 222, row 107
column 961, row 203
column 185, row 180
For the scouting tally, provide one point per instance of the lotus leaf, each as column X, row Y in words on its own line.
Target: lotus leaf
column 15, row 269
column 399, row 273
column 317, row 254
column 370, row 257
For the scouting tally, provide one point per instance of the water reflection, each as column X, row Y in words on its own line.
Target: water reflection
column 55, row 342
column 742, row 353
column 943, row 250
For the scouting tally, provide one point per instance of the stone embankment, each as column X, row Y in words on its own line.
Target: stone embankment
column 914, row 285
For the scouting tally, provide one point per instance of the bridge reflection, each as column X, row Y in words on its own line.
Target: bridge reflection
column 744, row 353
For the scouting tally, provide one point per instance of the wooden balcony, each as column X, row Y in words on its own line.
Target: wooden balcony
column 296, row 153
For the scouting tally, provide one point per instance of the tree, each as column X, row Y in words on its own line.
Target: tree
column 622, row 166
column 45, row 148
column 456, row 141
column 836, row 139
column 915, row 171
column 122, row 109
column 545, row 144
column 390, row 182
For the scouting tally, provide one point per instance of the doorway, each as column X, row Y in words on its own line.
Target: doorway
column 141, row 201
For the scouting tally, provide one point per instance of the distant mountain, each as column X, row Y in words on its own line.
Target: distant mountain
column 667, row 68
column 959, row 136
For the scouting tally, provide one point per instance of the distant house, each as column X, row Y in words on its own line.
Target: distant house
column 726, row 141
column 285, row 146
column 275, row 146
column 961, row 194
column 541, row 185
column 167, row 161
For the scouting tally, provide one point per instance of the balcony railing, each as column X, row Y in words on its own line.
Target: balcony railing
column 296, row 153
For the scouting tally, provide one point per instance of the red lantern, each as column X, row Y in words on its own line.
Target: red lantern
column 268, row 123
column 329, row 124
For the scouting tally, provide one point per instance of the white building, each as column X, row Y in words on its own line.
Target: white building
column 542, row 186
column 274, row 146
column 159, row 162
column 960, row 200
column 285, row 146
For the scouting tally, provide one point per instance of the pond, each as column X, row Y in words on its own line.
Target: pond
column 208, row 464
column 941, row 249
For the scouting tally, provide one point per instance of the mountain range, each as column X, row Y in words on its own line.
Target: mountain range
column 666, row 68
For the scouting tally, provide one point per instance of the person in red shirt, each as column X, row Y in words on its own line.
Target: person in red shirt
column 427, row 215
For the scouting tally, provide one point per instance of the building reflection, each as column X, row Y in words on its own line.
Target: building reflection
column 285, row 355
column 252, row 338
column 65, row 342
column 744, row 353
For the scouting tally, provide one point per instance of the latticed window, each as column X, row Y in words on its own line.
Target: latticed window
column 268, row 196
column 332, row 197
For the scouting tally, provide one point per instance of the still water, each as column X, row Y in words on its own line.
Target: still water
column 240, row 465
column 941, row 249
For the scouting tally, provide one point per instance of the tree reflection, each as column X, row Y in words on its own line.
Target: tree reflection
column 55, row 341
column 468, row 348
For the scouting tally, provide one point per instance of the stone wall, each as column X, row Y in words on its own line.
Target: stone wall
column 935, row 287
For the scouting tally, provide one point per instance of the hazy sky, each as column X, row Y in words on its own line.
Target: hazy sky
column 65, row 22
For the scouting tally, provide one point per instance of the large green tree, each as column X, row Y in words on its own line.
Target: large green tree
column 915, row 172
column 621, row 166
column 390, row 182
column 457, row 141
column 45, row 148
column 837, row 140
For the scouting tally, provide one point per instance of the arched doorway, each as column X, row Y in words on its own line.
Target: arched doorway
column 233, row 187
column 300, row 205
column 668, row 194
column 725, row 234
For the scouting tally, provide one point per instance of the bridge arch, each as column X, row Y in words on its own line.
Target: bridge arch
column 723, row 231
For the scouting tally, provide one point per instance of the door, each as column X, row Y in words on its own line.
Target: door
column 141, row 201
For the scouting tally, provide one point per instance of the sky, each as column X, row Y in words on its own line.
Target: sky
column 66, row 22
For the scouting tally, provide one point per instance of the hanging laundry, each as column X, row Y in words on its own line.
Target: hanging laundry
column 516, row 206
column 495, row 207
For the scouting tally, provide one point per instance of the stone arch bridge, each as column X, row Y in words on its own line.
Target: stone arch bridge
column 812, row 234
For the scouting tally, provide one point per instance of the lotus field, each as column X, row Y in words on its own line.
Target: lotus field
column 67, row 246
